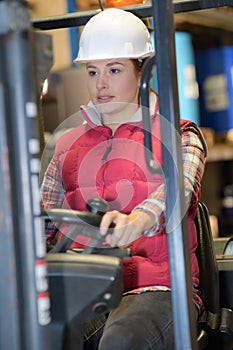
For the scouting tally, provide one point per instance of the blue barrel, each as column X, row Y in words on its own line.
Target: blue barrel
column 186, row 78
column 215, row 77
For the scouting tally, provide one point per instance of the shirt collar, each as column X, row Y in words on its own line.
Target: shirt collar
column 92, row 116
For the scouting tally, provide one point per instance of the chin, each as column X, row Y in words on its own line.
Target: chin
column 108, row 108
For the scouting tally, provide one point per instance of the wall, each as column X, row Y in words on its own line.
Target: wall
column 60, row 37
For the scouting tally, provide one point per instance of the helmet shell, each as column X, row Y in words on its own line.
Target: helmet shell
column 114, row 33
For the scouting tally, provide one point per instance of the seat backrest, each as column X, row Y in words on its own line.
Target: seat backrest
column 209, row 275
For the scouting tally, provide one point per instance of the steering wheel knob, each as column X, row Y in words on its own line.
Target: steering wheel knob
column 97, row 206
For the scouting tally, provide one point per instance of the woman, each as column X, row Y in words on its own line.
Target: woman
column 104, row 158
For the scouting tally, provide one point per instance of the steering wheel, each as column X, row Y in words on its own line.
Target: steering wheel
column 86, row 223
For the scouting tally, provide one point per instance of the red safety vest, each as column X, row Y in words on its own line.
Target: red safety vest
column 95, row 163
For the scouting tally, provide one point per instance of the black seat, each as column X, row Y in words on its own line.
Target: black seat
column 209, row 275
column 215, row 325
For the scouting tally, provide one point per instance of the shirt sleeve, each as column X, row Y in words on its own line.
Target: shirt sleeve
column 52, row 196
column 193, row 156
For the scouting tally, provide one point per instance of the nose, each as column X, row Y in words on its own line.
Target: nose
column 101, row 82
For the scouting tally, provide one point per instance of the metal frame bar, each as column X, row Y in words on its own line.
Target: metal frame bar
column 25, row 300
column 8, row 286
column 178, row 244
column 177, row 232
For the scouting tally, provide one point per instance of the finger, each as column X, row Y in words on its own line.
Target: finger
column 114, row 238
column 122, row 233
column 106, row 221
column 125, row 237
column 121, row 221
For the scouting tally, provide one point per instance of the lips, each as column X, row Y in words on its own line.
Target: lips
column 104, row 99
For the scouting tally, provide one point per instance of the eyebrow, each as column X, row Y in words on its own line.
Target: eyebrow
column 110, row 64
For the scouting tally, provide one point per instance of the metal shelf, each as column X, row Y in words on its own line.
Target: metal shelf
column 81, row 17
column 219, row 18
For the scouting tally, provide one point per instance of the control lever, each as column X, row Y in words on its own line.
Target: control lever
column 97, row 206
column 86, row 223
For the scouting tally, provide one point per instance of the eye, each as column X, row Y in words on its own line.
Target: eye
column 115, row 70
column 92, row 73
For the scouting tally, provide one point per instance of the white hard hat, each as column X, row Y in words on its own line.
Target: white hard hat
column 114, row 33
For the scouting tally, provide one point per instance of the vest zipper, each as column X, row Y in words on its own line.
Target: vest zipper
column 108, row 150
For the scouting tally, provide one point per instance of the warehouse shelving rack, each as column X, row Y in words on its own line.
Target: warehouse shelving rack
column 24, row 293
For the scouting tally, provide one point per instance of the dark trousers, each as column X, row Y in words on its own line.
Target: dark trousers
column 140, row 322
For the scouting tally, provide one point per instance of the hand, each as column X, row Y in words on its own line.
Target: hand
column 127, row 227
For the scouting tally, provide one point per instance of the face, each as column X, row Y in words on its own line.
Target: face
column 113, row 87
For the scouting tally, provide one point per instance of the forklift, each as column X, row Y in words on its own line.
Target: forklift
column 35, row 314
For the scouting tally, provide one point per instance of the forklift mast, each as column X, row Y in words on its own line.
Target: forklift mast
column 24, row 295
